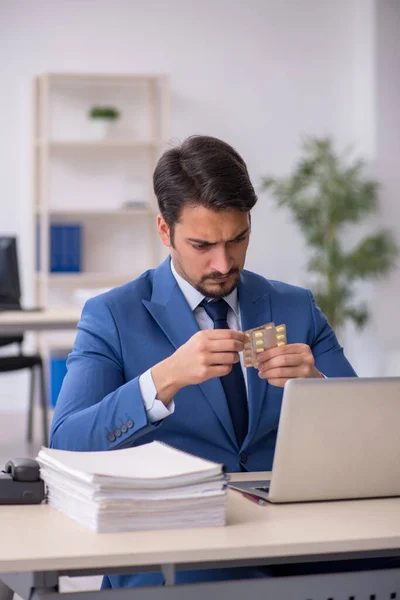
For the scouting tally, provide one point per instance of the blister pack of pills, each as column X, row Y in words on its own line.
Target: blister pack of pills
column 260, row 339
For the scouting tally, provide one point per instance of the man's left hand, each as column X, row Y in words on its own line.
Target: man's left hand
column 280, row 364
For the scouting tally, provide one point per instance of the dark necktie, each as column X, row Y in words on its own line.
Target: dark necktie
column 233, row 383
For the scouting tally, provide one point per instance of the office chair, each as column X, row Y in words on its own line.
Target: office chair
column 10, row 294
column 34, row 362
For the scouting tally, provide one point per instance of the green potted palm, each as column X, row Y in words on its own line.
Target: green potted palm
column 101, row 120
column 325, row 194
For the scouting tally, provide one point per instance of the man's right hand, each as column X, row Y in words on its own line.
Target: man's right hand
column 208, row 353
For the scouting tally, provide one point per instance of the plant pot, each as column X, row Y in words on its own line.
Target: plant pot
column 99, row 129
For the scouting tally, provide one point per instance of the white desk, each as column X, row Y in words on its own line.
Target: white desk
column 46, row 320
column 43, row 544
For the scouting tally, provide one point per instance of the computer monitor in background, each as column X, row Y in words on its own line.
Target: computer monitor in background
column 10, row 291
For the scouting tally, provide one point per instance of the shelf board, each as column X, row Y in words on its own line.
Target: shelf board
column 117, row 144
column 129, row 212
column 103, row 77
column 82, row 279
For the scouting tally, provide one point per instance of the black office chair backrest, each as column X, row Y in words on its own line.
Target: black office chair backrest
column 10, row 289
column 6, row 341
column 11, row 339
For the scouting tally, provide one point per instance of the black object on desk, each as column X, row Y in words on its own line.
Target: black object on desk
column 20, row 482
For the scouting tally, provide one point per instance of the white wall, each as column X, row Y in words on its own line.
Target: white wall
column 259, row 74
column 388, row 165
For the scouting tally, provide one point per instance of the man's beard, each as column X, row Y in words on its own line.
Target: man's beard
column 225, row 287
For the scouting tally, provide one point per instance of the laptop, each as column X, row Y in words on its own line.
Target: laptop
column 337, row 439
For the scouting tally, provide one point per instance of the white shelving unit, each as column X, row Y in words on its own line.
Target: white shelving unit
column 104, row 185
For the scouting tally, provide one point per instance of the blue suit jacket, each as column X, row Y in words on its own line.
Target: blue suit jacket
column 128, row 330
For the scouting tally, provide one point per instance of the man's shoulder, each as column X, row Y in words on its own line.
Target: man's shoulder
column 272, row 286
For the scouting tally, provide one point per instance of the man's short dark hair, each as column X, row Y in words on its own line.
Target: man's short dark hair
column 202, row 170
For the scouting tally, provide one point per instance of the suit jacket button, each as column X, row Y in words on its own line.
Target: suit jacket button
column 124, row 428
column 243, row 458
column 111, row 437
column 117, row 433
column 130, row 424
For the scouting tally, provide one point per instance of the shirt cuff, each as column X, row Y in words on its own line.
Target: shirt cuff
column 155, row 409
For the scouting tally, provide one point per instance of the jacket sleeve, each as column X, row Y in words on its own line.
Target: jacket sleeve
column 328, row 353
column 96, row 408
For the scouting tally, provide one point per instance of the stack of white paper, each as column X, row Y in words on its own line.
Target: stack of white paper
column 153, row 486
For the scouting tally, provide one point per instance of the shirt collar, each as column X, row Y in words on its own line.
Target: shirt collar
column 194, row 297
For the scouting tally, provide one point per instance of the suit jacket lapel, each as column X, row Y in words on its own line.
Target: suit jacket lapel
column 173, row 315
column 255, row 310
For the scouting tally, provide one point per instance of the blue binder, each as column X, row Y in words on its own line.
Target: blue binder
column 58, row 370
column 65, row 248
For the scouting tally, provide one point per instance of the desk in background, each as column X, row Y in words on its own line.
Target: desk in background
column 19, row 321
column 39, row 544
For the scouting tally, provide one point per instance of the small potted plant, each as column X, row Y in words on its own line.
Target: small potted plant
column 101, row 119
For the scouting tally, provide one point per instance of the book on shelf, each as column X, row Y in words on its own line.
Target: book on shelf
column 65, row 248
column 57, row 371
column 152, row 486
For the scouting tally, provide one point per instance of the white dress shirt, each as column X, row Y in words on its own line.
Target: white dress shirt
column 156, row 410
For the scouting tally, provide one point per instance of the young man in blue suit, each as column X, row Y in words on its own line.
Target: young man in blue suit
column 158, row 358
